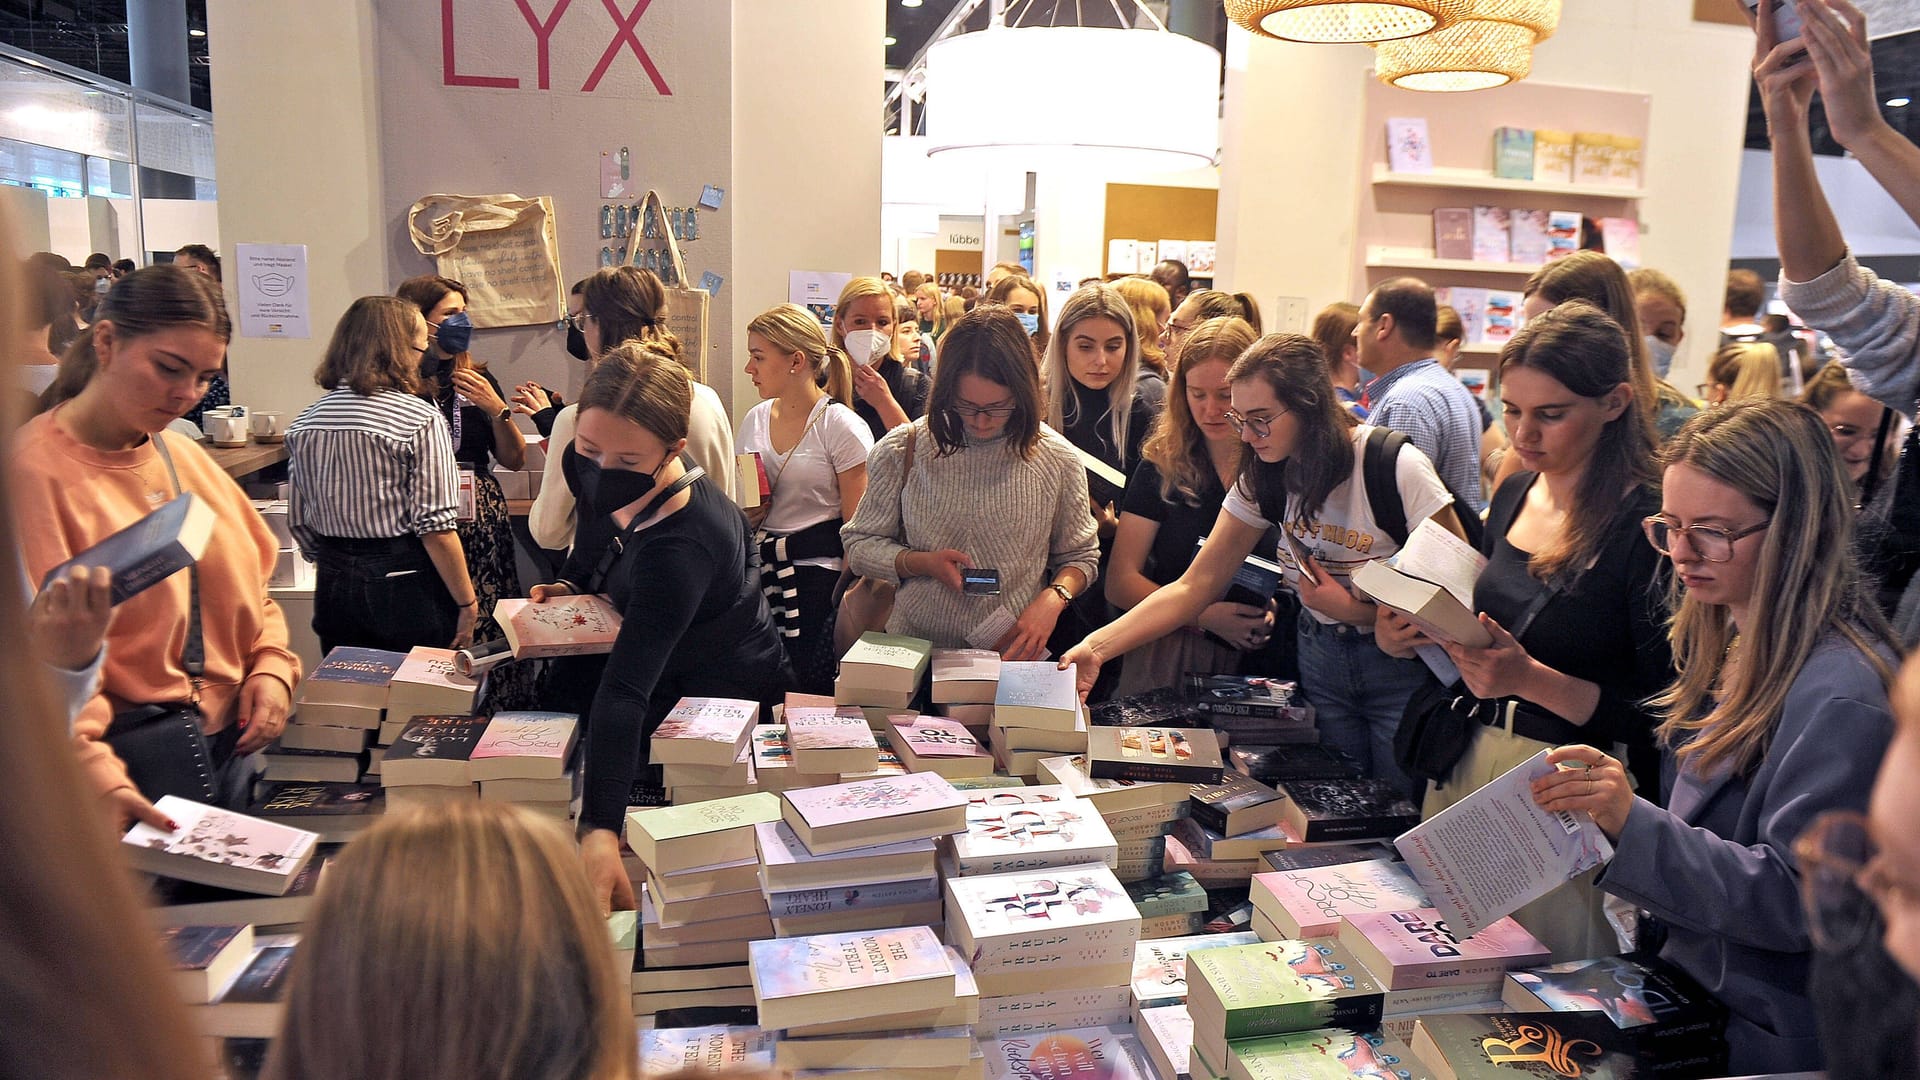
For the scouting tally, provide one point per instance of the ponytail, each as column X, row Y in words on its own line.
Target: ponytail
column 1214, row 304
column 76, row 369
column 836, row 375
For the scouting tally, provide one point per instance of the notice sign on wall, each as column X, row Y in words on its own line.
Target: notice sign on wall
column 272, row 284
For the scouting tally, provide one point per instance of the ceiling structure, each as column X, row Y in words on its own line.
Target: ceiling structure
column 92, row 35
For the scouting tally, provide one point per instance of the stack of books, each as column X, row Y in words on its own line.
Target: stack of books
column 873, row 990
column 1110, row 1052
column 1253, row 709
column 431, row 760
column 1309, row 903
column 1246, row 992
column 862, row 888
column 1237, row 819
column 774, row 769
column 528, row 758
column 1171, row 905
column 1160, row 968
column 1346, row 810
column 426, row 684
column 710, row 1048
column 703, row 748
column 701, row 903
column 337, row 812
column 1139, row 814
column 832, row 742
column 1213, row 870
column 939, row 744
column 1029, row 828
column 1427, row 969
column 1036, row 715
column 881, row 673
column 669, row 997
column 1662, row 1011
column 335, row 717
column 1040, row 939
column 965, row 682
column 1166, row 1033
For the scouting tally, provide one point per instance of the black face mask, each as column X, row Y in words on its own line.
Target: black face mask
column 577, row 344
column 601, row 490
column 433, row 367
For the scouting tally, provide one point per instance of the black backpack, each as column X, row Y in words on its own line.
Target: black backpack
column 1378, row 464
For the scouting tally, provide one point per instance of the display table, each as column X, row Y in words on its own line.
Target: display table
column 242, row 461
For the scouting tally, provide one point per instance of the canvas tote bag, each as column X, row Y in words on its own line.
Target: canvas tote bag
column 503, row 248
column 686, row 306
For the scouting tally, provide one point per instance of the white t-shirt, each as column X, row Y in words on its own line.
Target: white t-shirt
column 1345, row 534
column 806, row 480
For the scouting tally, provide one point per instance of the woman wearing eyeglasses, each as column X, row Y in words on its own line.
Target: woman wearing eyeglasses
column 1779, row 714
column 981, row 485
column 1305, row 474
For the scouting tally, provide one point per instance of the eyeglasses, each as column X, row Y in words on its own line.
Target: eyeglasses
column 1261, row 428
column 1846, row 883
column 570, row 321
column 967, row 410
column 1710, row 542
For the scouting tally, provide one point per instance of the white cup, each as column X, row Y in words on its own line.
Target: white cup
column 228, row 431
column 268, row 426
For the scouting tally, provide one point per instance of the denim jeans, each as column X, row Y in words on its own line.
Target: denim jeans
column 1358, row 693
column 380, row 594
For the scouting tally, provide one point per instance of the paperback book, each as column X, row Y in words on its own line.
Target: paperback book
column 1110, row 1053
column 965, row 676
column 1160, row 966
column 826, row 741
column 860, row 897
column 150, row 550
column 1027, row 918
column 712, row 1048
column 1324, row 1054
column 427, row 682
column 1529, row 237
column 887, row 662
column 1236, row 804
column 1310, row 903
column 1166, row 1032
column 1491, row 241
column 1154, row 754
column 185, row 903
column 704, row 731
column 1453, row 233
column 1002, row 836
column 835, row 977
column 1409, row 150
column 1662, row 1006
column 1513, row 153
column 1363, row 809
column 525, row 746
column 884, row 810
column 1471, row 1046
column 1036, row 694
column 218, row 847
column 352, row 676
column 1410, row 949
column 1112, row 797
column 251, row 1006
column 1293, row 761
column 1500, row 318
column 434, row 751
column 335, row 812
column 1276, row 987
column 1176, row 893
column 672, row 838
column 1308, row 856
column 937, row 744
column 1553, row 156
column 1204, row 843
column 1251, row 696
column 205, row 958
column 773, row 761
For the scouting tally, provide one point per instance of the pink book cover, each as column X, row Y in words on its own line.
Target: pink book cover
column 1453, row 233
column 1031, row 908
column 822, row 963
column 721, row 720
column 572, row 626
column 780, row 846
column 1491, row 242
column 825, row 729
column 1316, row 898
column 1529, row 236
column 1621, row 237
column 432, row 668
column 1563, row 233
column 936, row 736
column 1500, row 319
column 869, row 800
column 1419, row 950
column 1471, row 304
column 807, row 701
column 544, row 735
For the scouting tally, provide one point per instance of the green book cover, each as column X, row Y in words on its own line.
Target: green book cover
column 1474, row 1046
column 1277, row 987
column 714, row 815
column 1169, row 894
column 624, row 928
column 1325, row 1054
column 891, row 650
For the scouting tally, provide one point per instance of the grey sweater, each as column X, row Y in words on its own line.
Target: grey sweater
column 1028, row 519
column 1876, row 323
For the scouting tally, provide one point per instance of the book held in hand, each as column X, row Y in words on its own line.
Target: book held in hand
column 150, row 550
column 1036, row 694
column 566, row 626
column 220, row 848
column 1154, row 754
column 1430, row 581
column 1106, row 485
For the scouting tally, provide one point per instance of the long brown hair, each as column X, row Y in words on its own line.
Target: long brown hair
column 1597, row 279
column 458, row 941
column 425, row 291
column 85, row 991
column 372, row 348
column 1214, row 304
column 1586, row 351
column 144, row 302
column 1176, row 448
column 1295, row 369
column 639, row 382
column 1729, row 692
column 1002, row 292
column 629, row 304
column 989, row 342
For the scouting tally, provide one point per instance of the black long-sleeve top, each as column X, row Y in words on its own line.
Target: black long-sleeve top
column 695, row 625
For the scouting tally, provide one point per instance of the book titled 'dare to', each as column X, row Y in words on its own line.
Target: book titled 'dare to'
column 1410, row 949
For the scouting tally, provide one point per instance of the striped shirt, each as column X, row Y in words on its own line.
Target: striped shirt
column 1437, row 413
column 369, row 467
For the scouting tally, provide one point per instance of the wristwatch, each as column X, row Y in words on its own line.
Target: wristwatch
column 1061, row 590
column 506, row 414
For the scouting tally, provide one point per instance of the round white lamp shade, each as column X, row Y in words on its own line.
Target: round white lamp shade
column 1088, row 97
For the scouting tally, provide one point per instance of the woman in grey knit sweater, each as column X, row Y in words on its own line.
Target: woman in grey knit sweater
column 979, row 484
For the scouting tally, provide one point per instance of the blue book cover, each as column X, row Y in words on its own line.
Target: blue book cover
column 1513, row 153
column 150, row 550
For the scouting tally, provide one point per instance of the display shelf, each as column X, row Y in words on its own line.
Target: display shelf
column 1483, row 348
column 1390, row 258
column 1480, row 180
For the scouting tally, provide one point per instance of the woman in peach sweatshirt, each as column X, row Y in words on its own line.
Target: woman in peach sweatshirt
column 89, row 468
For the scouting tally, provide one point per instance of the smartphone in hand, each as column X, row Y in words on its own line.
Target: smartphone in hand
column 1786, row 18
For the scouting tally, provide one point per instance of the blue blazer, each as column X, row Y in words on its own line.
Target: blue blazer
column 1718, row 867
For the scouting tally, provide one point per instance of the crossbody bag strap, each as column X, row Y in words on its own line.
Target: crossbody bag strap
column 618, row 545
column 193, row 655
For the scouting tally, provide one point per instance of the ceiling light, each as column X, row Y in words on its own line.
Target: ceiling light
column 1333, row 22
column 1492, row 46
column 196, row 32
column 1899, row 102
column 909, row 3
column 889, row 41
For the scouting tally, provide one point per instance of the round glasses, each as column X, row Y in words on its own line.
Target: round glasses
column 1846, row 884
column 1260, row 428
column 1710, row 542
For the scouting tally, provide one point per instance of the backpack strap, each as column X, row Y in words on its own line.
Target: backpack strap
column 1379, row 468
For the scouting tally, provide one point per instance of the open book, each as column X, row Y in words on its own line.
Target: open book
column 1431, row 582
column 1106, row 484
column 1497, row 849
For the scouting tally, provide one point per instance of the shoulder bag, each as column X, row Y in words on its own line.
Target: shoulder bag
column 862, row 603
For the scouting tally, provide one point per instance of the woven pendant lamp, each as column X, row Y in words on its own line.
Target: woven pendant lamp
column 1345, row 22
column 1492, row 46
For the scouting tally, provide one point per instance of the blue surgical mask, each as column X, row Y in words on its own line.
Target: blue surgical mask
column 1030, row 320
column 1660, row 355
column 454, row 333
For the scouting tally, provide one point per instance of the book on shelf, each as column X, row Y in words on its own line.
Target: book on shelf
column 670, row 838
column 1564, row 232
column 1310, row 903
column 433, row 751
column 912, row 1048
column 836, row 977
column 1471, row 305
column 1662, row 1007
column 351, row 676
column 1491, row 1045
column 864, row 813
column 1256, row 696
column 1406, row 950
column 1364, row 809
column 300, row 735
column 214, row 846
column 1308, row 856
column 335, row 811
column 1513, row 153
column 1629, row 160
column 1528, row 231
column 1160, row 966
column 1112, row 797
column 1290, row 761
column 1500, row 318
column 1036, row 694
column 892, row 663
column 1409, row 149
column 713, row 1048
column 786, row 862
column 525, row 746
column 1593, row 158
column 1235, row 804
column 150, row 550
column 206, row 958
column 1497, row 849
column 1207, row 844
column 1166, row 1033
column 1002, row 837
column 964, row 676
column 1276, row 987
column 1620, row 236
column 1491, row 242
column 427, row 682
column 937, row 744
column 1166, row 755
column 567, row 626
column 1430, row 581
column 1110, row 1053
column 704, row 731
column 253, row 1004
column 831, row 741
column 1453, row 233
column 1330, row 1053
column 1552, row 156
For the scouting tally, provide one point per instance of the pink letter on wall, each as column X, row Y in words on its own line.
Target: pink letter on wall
column 449, row 77
column 543, row 31
column 623, row 33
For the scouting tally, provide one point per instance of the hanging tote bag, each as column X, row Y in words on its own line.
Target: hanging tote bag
column 686, row 306
column 503, row 248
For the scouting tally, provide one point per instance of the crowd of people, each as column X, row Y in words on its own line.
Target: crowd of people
column 1697, row 603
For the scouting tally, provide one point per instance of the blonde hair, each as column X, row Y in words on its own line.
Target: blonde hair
column 456, row 942
column 1748, row 369
column 1732, row 681
column 1152, row 307
column 1654, row 282
column 790, row 329
column 1094, row 302
column 858, row 289
column 928, row 288
column 1176, row 447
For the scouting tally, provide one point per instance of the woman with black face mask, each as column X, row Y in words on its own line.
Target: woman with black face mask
column 543, row 404
column 676, row 566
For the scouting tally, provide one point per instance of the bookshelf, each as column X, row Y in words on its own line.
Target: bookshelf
column 1421, row 259
column 1482, row 180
